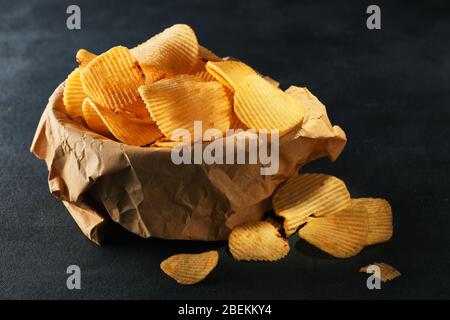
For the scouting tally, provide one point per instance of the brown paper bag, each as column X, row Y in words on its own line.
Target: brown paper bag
column 101, row 180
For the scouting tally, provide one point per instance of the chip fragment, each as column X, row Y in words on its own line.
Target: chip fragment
column 387, row 272
column 175, row 50
column 260, row 105
column 84, row 57
column 126, row 127
column 74, row 95
column 93, row 120
column 380, row 219
column 230, row 73
column 342, row 234
column 175, row 103
column 112, row 78
column 309, row 194
column 190, row 268
column 257, row 241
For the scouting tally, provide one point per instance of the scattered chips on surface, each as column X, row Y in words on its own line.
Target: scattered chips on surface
column 93, row 120
column 309, row 194
column 380, row 219
column 174, row 51
column 387, row 272
column 177, row 102
column 260, row 105
column 257, row 241
column 112, row 78
column 84, row 57
column 230, row 73
column 74, row 95
column 342, row 234
column 190, row 268
column 128, row 128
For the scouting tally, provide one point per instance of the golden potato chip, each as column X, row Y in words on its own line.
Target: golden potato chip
column 175, row 50
column 190, row 268
column 387, row 272
column 208, row 55
column 139, row 109
column 152, row 74
column 259, row 105
column 380, row 219
column 258, row 241
column 74, row 95
column 204, row 75
column 93, row 120
column 275, row 83
column 177, row 102
column 230, row 73
column 309, row 194
column 342, row 234
column 84, row 57
column 126, row 127
column 112, row 78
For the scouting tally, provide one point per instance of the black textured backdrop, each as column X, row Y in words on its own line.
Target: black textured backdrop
column 388, row 89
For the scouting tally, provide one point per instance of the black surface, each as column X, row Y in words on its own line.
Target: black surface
column 389, row 89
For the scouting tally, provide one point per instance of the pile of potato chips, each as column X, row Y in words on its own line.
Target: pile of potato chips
column 319, row 208
column 143, row 95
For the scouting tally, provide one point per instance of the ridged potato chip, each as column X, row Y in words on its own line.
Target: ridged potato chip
column 152, row 74
column 387, row 272
column 260, row 105
column 207, row 55
column 342, row 234
column 93, row 120
column 380, row 219
column 190, row 268
column 273, row 82
column 126, row 127
column 175, row 50
column 112, row 78
column 84, row 57
column 257, row 241
column 74, row 95
column 204, row 75
column 139, row 109
column 177, row 102
column 309, row 194
column 230, row 73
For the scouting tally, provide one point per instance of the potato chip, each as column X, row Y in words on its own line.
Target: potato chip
column 342, row 234
column 139, row 109
column 273, row 82
column 207, row 55
column 126, row 127
column 257, row 241
column 112, row 78
column 190, row 268
column 387, row 272
column 93, row 120
column 74, row 95
column 230, row 73
column 380, row 219
column 177, row 102
column 204, row 76
column 152, row 74
column 259, row 105
column 84, row 57
column 175, row 50
column 307, row 194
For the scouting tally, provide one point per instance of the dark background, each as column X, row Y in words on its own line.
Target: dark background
column 389, row 90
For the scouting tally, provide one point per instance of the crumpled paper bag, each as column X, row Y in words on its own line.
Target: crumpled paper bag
column 100, row 180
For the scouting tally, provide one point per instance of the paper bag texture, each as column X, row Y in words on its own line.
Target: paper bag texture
column 100, row 180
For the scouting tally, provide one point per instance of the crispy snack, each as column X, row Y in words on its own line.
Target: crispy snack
column 204, row 75
column 84, row 57
column 380, row 219
column 208, row 55
column 139, row 109
column 177, row 102
column 258, row 241
column 307, row 194
column 174, row 51
column 74, row 95
column 387, row 272
column 152, row 74
column 93, row 120
column 273, row 82
column 342, row 234
column 230, row 73
column 112, row 78
column 190, row 268
column 126, row 127
column 259, row 105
